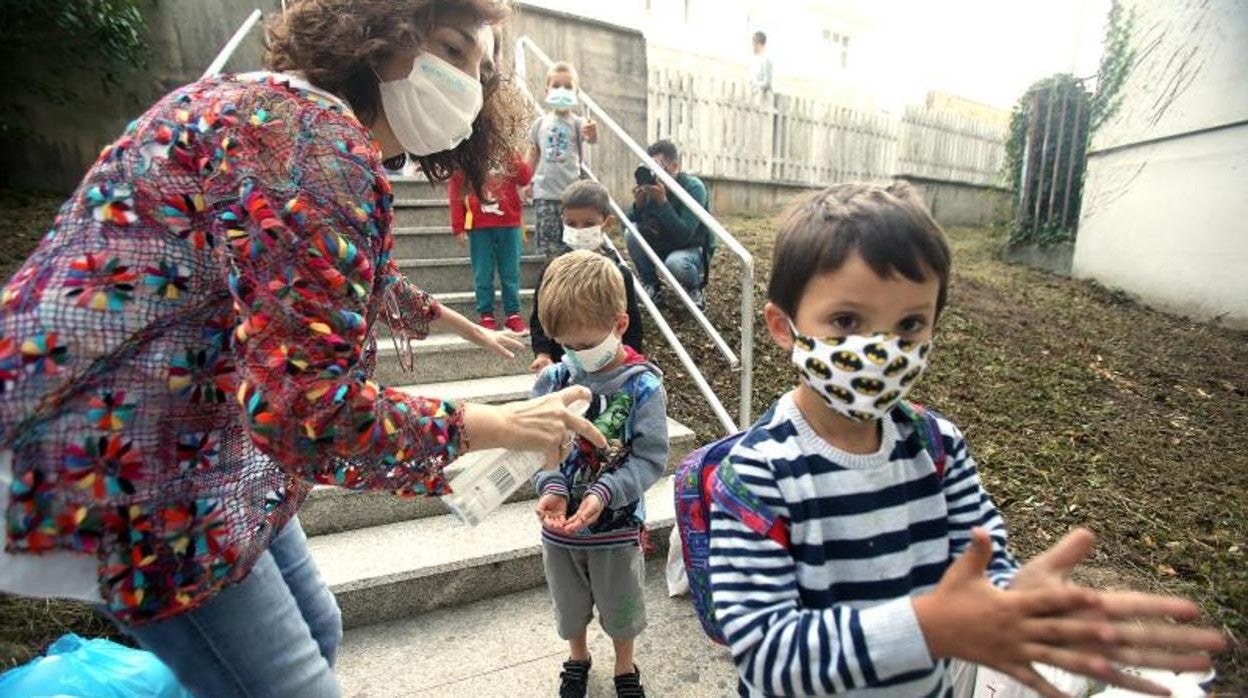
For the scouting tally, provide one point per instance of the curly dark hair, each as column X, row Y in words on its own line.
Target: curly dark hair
column 337, row 44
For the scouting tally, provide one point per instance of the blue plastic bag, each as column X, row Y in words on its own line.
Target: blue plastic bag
column 91, row 669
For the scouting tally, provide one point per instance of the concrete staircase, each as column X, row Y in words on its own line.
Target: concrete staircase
column 395, row 561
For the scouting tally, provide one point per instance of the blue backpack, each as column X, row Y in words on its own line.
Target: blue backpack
column 699, row 480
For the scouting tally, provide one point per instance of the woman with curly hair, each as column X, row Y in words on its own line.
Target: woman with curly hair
column 189, row 349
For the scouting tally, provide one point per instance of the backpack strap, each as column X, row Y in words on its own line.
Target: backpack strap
column 928, row 431
column 729, row 492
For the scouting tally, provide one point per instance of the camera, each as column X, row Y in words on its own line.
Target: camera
column 644, row 176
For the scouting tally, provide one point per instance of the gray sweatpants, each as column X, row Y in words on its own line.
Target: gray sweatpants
column 609, row 578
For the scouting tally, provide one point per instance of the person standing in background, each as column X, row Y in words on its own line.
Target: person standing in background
column 760, row 65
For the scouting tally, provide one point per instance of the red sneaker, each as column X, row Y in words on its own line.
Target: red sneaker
column 515, row 323
column 488, row 322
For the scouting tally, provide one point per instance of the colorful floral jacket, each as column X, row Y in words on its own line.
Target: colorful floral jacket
column 189, row 349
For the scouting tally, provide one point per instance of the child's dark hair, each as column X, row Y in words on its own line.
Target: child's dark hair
column 586, row 193
column 665, row 148
column 760, row 38
column 887, row 224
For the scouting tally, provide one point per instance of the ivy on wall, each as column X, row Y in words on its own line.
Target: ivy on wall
column 1050, row 128
column 46, row 42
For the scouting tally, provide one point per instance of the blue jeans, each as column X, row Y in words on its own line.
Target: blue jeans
column 273, row 635
column 685, row 265
column 493, row 248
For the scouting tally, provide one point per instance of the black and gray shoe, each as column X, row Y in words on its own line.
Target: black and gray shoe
column 574, row 679
column 698, row 296
column 655, row 293
column 629, row 685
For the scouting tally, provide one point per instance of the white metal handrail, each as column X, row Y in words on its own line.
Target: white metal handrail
column 232, row 45
column 745, row 363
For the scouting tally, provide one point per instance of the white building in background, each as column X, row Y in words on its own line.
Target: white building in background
column 1165, row 202
column 817, row 47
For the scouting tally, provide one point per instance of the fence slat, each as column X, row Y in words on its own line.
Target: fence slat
column 725, row 128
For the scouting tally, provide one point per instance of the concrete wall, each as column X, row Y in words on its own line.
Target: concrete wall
column 953, row 203
column 1165, row 199
column 737, row 196
column 611, row 61
column 183, row 38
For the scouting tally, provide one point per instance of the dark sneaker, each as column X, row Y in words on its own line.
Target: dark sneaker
column 488, row 322
column 629, row 685
column 698, row 296
column 574, row 679
column 655, row 293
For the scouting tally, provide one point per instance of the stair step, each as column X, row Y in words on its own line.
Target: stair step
column 507, row 646
column 404, row 569
column 334, row 509
column 427, row 209
column 417, row 188
column 488, row 390
column 433, row 241
column 451, row 274
column 465, row 303
column 443, row 356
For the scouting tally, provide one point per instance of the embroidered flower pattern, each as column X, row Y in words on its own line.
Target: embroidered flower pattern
column 100, row 284
column 112, row 203
column 168, row 280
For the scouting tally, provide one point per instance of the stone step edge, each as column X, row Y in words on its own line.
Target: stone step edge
column 464, row 579
column 417, row 262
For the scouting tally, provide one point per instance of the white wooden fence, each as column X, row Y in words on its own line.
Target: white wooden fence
column 726, row 129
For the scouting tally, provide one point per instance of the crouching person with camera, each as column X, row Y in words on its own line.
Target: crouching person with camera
column 673, row 230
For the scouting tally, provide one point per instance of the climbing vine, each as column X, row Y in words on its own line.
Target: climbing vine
column 1050, row 128
column 49, row 45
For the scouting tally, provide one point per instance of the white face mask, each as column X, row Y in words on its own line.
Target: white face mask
column 432, row 109
column 561, row 98
column 590, row 238
column 591, row 360
column 860, row 376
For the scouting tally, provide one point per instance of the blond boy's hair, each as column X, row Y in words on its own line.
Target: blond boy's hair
column 581, row 290
column 563, row 67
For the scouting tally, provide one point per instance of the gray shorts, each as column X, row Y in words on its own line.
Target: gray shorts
column 609, row 578
column 549, row 228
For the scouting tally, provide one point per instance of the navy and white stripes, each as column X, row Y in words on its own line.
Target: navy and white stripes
column 831, row 614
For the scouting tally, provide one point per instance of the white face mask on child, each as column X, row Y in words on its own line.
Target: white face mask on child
column 590, row 238
column 860, row 376
column 561, row 98
column 432, row 109
column 593, row 359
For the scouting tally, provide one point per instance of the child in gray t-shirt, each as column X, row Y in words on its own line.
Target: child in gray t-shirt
column 556, row 147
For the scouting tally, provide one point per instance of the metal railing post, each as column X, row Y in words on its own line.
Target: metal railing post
column 232, row 45
column 746, row 361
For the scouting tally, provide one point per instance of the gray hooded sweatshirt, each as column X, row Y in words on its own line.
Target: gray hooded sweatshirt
column 630, row 407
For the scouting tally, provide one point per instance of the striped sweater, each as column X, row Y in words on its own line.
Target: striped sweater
column 832, row 613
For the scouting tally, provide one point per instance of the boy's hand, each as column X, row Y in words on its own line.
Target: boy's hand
column 590, row 131
column 540, row 363
column 552, row 511
column 639, row 196
column 1065, row 626
column 1141, row 643
column 462, row 239
column 589, row 511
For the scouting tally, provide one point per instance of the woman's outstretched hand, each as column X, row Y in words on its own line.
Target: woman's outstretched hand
column 500, row 343
column 540, row 424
